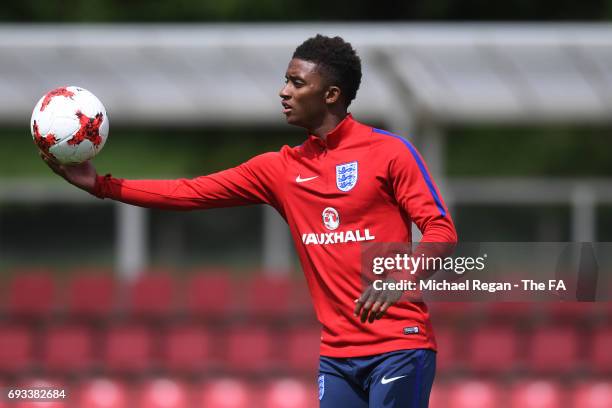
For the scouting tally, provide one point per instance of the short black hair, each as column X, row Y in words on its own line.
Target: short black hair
column 338, row 61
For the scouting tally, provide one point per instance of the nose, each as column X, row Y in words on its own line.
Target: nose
column 284, row 92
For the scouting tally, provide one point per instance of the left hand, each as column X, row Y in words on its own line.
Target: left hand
column 82, row 175
column 373, row 304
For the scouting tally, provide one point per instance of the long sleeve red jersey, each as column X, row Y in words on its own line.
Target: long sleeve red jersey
column 360, row 184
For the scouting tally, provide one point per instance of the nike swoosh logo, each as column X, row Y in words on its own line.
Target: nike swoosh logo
column 299, row 179
column 388, row 380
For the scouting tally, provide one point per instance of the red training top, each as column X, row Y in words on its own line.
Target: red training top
column 361, row 184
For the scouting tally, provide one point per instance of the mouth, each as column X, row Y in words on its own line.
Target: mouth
column 286, row 108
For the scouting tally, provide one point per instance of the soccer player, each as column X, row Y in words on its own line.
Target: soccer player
column 347, row 184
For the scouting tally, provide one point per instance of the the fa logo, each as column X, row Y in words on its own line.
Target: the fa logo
column 331, row 219
column 346, row 176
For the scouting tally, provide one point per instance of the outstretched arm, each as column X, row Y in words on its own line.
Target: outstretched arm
column 253, row 182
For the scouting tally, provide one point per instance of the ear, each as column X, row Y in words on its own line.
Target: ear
column 332, row 95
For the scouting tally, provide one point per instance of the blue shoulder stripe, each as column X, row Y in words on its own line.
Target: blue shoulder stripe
column 424, row 172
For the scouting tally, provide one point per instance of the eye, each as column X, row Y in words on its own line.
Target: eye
column 296, row 82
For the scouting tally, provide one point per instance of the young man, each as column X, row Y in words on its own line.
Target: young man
column 348, row 183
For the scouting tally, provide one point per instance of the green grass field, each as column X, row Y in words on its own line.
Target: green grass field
column 483, row 151
column 154, row 153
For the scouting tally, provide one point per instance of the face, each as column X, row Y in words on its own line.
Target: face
column 305, row 95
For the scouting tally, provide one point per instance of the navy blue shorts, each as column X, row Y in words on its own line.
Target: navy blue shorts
column 399, row 379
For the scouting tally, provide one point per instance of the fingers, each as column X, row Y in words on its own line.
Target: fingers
column 382, row 305
column 383, row 309
column 372, row 304
column 359, row 303
column 375, row 310
column 367, row 306
column 365, row 303
column 53, row 164
column 48, row 160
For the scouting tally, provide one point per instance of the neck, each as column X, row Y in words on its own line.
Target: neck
column 328, row 123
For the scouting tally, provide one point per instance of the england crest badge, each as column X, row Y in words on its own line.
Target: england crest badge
column 346, row 176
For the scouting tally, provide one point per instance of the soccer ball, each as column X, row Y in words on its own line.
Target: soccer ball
column 69, row 124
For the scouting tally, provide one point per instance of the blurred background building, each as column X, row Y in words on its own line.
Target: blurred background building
column 131, row 307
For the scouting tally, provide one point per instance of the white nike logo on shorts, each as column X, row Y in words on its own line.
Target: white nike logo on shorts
column 299, row 179
column 388, row 380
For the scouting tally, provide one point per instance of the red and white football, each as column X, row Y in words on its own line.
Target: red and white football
column 69, row 124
